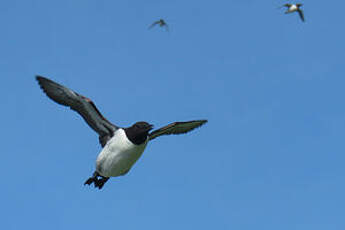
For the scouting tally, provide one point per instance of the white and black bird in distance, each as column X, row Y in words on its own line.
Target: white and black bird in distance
column 294, row 8
column 122, row 147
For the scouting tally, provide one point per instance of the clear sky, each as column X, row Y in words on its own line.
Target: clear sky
column 271, row 156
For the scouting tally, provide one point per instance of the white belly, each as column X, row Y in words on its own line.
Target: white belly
column 118, row 155
column 293, row 8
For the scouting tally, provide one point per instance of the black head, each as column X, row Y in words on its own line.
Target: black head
column 138, row 132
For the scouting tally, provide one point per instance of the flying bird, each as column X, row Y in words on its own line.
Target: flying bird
column 161, row 23
column 122, row 147
column 293, row 8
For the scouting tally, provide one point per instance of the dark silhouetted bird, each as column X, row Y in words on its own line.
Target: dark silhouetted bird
column 161, row 23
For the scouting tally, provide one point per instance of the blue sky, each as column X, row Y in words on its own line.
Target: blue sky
column 272, row 87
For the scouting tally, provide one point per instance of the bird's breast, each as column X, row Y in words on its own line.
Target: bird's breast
column 293, row 8
column 118, row 155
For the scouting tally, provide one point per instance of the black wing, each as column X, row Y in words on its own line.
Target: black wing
column 177, row 128
column 301, row 15
column 153, row 24
column 82, row 105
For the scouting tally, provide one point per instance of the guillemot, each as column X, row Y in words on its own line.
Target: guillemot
column 122, row 147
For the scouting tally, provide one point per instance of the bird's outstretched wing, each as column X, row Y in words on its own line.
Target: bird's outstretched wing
column 301, row 15
column 153, row 24
column 177, row 128
column 82, row 105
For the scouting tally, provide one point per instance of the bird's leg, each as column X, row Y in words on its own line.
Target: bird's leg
column 92, row 179
column 100, row 183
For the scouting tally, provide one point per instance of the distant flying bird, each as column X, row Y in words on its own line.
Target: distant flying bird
column 293, row 8
column 161, row 23
column 122, row 147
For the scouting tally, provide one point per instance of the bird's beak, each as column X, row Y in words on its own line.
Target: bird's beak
column 150, row 127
